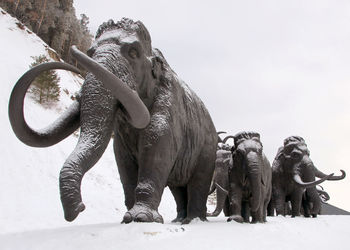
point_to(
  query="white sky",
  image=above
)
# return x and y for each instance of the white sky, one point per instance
(280, 68)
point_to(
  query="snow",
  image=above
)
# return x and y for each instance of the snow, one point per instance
(31, 215)
(278, 233)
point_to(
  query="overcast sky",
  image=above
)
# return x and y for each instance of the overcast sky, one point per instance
(279, 68)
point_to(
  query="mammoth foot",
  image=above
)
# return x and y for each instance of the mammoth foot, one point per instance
(254, 221)
(236, 218)
(142, 213)
(180, 216)
(188, 220)
(177, 219)
(71, 212)
(213, 214)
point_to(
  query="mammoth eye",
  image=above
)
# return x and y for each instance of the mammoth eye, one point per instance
(259, 150)
(296, 155)
(133, 53)
(90, 51)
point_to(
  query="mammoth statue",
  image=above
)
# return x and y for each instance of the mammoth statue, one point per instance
(306, 204)
(164, 135)
(220, 178)
(249, 179)
(293, 173)
(308, 201)
(324, 196)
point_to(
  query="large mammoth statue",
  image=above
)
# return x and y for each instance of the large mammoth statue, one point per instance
(164, 135)
(220, 178)
(249, 179)
(293, 173)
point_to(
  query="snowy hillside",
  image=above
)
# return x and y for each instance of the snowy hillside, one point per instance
(31, 216)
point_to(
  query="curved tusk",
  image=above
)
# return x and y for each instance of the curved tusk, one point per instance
(338, 177)
(320, 174)
(297, 179)
(138, 112)
(212, 189)
(218, 133)
(228, 137)
(221, 188)
(324, 195)
(221, 132)
(59, 129)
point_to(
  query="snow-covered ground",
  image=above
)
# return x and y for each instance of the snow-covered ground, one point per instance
(325, 232)
(31, 216)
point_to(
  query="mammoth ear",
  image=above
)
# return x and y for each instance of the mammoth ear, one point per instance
(157, 67)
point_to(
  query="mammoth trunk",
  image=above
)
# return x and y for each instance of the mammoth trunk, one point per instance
(221, 196)
(254, 176)
(96, 120)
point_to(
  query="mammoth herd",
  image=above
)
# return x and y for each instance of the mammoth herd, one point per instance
(163, 137)
(247, 186)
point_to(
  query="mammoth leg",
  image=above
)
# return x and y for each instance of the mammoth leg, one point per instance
(258, 215)
(97, 115)
(313, 197)
(127, 168)
(154, 166)
(295, 200)
(266, 205)
(227, 211)
(305, 206)
(235, 196)
(198, 186)
(245, 211)
(278, 201)
(270, 209)
(180, 196)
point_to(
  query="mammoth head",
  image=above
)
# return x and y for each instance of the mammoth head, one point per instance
(125, 29)
(294, 148)
(122, 58)
(245, 142)
(125, 49)
(294, 158)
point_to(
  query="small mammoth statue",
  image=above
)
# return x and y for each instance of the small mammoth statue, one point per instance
(164, 135)
(293, 177)
(308, 200)
(306, 204)
(249, 179)
(220, 178)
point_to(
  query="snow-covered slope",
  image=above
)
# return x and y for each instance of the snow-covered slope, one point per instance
(31, 216)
